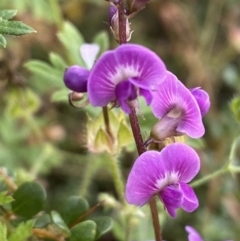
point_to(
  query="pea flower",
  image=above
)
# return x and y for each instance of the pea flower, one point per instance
(165, 174)
(193, 235)
(120, 75)
(179, 109)
(76, 77)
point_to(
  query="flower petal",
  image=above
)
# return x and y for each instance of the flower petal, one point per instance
(172, 199)
(127, 61)
(145, 173)
(150, 69)
(202, 99)
(182, 160)
(76, 77)
(193, 235)
(101, 89)
(190, 200)
(89, 53)
(173, 94)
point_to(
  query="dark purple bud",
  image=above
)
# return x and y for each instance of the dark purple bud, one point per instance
(202, 99)
(111, 12)
(76, 77)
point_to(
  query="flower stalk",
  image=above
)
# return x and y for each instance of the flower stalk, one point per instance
(134, 122)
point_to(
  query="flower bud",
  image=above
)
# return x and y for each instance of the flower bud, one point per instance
(114, 23)
(76, 77)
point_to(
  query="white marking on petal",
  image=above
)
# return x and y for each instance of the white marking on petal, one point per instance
(89, 53)
(175, 113)
(168, 179)
(123, 73)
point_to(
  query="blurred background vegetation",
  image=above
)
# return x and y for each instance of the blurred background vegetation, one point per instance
(44, 138)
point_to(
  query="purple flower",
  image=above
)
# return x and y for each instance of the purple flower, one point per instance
(165, 174)
(179, 110)
(193, 235)
(120, 75)
(76, 77)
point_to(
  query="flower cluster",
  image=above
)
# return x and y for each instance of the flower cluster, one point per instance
(119, 76)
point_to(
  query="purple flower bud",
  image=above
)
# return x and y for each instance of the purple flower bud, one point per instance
(76, 78)
(114, 23)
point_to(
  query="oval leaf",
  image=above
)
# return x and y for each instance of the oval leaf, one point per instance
(84, 231)
(29, 199)
(73, 208)
(104, 224)
(58, 221)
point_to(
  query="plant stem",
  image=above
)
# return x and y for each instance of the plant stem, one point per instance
(122, 22)
(141, 149)
(107, 123)
(117, 178)
(9, 182)
(134, 120)
(205, 179)
(90, 169)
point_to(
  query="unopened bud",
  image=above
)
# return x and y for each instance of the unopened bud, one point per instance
(76, 77)
(114, 23)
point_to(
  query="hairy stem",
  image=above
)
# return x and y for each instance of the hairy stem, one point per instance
(207, 178)
(134, 120)
(141, 149)
(107, 122)
(9, 182)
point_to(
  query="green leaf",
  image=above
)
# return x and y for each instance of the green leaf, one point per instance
(57, 61)
(60, 96)
(7, 14)
(102, 39)
(4, 198)
(73, 208)
(3, 41)
(46, 72)
(124, 135)
(104, 224)
(84, 231)
(3, 232)
(22, 102)
(42, 221)
(16, 28)
(22, 232)
(29, 199)
(235, 107)
(102, 141)
(72, 39)
(59, 222)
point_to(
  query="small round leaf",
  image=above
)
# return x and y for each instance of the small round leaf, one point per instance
(73, 208)
(58, 221)
(84, 231)
(29, 199)
(104, 224)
